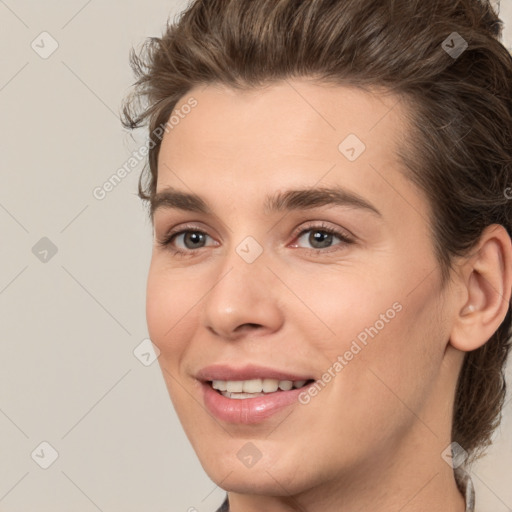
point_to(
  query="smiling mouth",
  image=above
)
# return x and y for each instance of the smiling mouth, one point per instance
(241, 389)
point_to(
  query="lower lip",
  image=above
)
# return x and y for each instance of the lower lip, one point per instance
(248, 410)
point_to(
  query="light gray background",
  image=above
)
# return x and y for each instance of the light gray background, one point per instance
(69, 326)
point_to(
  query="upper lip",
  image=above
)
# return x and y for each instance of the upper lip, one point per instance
(247, 372)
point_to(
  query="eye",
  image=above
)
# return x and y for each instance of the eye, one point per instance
(321, 237)
(191, 239)
(185, 241)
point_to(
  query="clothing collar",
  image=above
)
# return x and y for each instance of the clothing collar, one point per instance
(465, 485)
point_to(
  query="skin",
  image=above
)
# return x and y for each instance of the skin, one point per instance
(372, 439)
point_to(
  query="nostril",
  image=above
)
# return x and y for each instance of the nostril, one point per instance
(247, 326)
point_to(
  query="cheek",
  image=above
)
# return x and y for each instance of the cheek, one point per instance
(171, 320)
(169, 312)
(390, 340)
(351, 306)
(399, 363)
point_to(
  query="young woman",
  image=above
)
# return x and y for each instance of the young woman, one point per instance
(329, 185)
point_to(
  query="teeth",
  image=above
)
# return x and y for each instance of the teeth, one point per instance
(241, 395)
(286, 385)
(270, 385)
(256, 386)
(234, 386)
(252, 386)
(220, 385)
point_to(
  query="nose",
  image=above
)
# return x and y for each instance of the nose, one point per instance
(244, 300)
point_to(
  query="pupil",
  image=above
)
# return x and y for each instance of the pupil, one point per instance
(321, 237)
(194, 237)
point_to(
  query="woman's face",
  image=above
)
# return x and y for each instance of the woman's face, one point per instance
(340, 290)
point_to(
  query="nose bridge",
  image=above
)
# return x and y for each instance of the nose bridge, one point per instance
(242, 292)
(244, 263)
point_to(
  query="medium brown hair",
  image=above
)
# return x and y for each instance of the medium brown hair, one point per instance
(459, 148)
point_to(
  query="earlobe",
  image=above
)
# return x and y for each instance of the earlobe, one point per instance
(487, 278)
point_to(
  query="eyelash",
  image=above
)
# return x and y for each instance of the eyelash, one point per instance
(169, 238)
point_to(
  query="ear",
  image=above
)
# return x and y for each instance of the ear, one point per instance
(487, 282)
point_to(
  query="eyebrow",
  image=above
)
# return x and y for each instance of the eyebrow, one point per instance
(171, 198)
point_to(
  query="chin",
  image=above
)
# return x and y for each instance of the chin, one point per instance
(273, 475)
(261, 481)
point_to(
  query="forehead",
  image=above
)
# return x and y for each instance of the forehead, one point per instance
(292, 133)
(299, 110)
